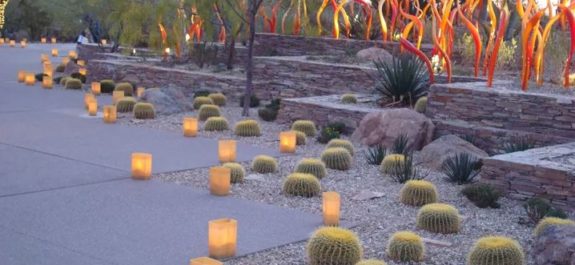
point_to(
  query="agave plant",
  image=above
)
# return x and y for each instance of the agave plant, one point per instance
(376, 154)
(400, 144)
(518, 145)
(408, 170)
(461, 168)
(404, 79)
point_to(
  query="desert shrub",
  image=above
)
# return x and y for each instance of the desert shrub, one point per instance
(327, 134)
(537, 208)
(300, 184)
(143, 110)
(126, 87)
(254, 101)
(334, 246)
(551, 221)
(418, 193)
(337, 158)
(405, 246)
(405, 79)
(519, 144)
(461, 168)
(482, 195)
(406, 170)
(107, 86)
(267, 114)
(496, 250)
(204, 54)
(438, 218)
(306, 126)
(375, 155)
(73, 83)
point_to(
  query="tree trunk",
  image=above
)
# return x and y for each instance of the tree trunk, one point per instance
(253, 6)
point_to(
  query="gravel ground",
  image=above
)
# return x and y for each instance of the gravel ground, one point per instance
(374, 220)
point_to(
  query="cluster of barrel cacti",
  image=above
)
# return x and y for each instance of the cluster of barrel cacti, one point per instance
(208, 110)
(301, 184)
(334, 246)
(247, 128)
(143, 110)
(216, 124)
(264, 164)
(341, 143)
(126, 104)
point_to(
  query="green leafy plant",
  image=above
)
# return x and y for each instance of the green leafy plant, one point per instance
(218, 99)
(519, 144)
(461, 168)
(482, 195)
(327, 134)
(537, 208)
(375, 155)
(334, 246)
(403, 80)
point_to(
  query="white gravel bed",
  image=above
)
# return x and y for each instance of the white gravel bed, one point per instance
(373, 220)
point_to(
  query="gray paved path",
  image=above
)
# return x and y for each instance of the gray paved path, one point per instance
(66, 196)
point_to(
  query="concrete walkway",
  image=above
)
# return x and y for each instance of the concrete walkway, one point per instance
(66, 196)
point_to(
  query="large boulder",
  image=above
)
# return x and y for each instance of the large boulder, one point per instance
(169, 100)
(555, 245)
(374, 54)
(383, 127)
(433, 154)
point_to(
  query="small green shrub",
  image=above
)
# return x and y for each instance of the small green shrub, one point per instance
(406, 246)
(337, 158)
(300, 184)
(216, 124)
(107, 86)
(268, 114)
(496, 250)
(144, 111)
(460, 169)
(334, 246)
(338, 127)
(200, 101)
(311, 166)
(73, 83)
(421, 105)
(254, 101)
(247, 128)
(482, 195)
(79, 76)
(551, 221)
(208, 111)
(327, 134)
(264, 164)
(341, 143)
(348, 99)
(126, 87)
(237, 172)
(375, 155)
(306, 126)
(438, 218)
(519, 144)
(537, 209)
(219, 99)
(126, 104)
(418, 193)
(405, 79)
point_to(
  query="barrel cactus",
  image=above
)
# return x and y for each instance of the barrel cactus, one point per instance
(337, 158)
(341, 143)
(216, 124)
(144, 111)
(264, 164)
(438, 218)
(218, 99)
(73, 83)
(390, 162)
(107, 86)
(348, 99)
(418, 193)
(311, 166)
(126, 104)
(549, 221)
(207, 111)
(299, 184)
(421, 105)
(334, 246)
(371, 262)
(405, 246)
(200, 101)
(496, 250)
(237, 172)
(247, 128)
(305, 126)
(300, 137)
(63, 80)
(126, 87)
